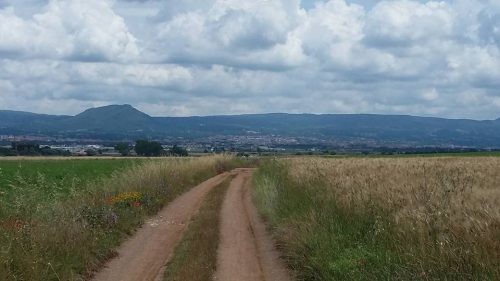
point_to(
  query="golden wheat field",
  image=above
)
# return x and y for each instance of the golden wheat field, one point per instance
(445, 208)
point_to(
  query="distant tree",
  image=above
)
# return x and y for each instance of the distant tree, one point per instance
(123, 148)
(242, 154)
(259, 150)
(47, 151)
(26, 148)
(7, 152)
(148, 148)
(141, 147)
(178, 151)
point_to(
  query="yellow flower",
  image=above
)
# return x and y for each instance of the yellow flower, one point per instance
(125, 197)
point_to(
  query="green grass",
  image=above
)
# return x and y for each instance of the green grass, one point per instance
(319, 241)
(61, 172)
(195, 257)
(58, 220)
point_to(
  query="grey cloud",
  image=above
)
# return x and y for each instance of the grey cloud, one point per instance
(62, 31)
(489, 29)
(236, 56)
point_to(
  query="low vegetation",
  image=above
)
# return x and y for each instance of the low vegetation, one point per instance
(385, 218)
(64, 225)
(65, 174)
(196, 256)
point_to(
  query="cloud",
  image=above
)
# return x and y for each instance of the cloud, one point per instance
(68, 30)
(402, 24)
(231, 32)
(437, 58)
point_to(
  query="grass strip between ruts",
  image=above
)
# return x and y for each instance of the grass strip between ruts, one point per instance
(195, 258)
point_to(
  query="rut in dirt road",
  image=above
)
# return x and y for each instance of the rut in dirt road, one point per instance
(246, 252)
(143, 256)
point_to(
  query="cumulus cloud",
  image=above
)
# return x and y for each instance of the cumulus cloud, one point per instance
(404, 24)
(232, 32)
(438, 58)
(71, 30)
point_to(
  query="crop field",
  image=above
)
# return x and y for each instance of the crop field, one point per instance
(384, 218)
(64, 173)
(371, 218)
(62, 219)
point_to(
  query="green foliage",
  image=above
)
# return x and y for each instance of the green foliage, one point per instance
(7, 152)
(178, 151)
(123, 148)
(31, 149)
(148, 148)
(65, 173)
(26, 148)
(47, 151)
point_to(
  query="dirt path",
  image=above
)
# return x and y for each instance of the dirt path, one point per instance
(143, 256)
(245, 252)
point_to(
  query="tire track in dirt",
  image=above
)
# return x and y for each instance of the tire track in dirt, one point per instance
(144, 255)
(246, 252)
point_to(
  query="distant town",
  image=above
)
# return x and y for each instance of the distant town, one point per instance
(11, 145)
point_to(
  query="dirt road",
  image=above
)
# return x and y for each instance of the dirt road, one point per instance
(143, 256)
(245, 252)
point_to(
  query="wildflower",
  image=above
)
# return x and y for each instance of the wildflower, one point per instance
(14, 224)
(126, 198)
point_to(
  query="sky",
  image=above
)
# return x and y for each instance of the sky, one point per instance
(212, 57)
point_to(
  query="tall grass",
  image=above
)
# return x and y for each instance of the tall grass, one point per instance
(390, 219)
(52, 234)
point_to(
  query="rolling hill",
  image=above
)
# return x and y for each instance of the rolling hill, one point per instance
(126, 122)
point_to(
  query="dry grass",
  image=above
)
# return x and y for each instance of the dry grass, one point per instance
(429, 218)
(67, 237)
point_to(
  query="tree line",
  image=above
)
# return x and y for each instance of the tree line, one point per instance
(149, 149)
(31, 149)
(141, 147)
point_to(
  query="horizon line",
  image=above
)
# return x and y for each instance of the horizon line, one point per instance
(265, 113)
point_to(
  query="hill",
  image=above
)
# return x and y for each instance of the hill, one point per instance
(126, 122)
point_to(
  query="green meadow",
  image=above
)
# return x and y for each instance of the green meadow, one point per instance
(62, 173)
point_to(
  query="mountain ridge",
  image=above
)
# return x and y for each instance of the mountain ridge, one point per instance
(128, 106)
(126, 122)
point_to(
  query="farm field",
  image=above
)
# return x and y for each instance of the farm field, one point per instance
(61, 172)
(62, 219)
(448, 154)
(358, 218)
(384, 218)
